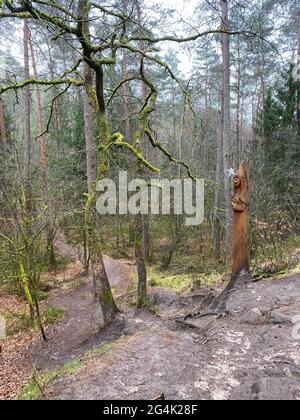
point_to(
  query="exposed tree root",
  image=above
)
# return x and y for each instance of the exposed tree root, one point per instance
(217, 307)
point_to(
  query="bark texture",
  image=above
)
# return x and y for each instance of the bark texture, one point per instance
(102, 288)
(89, 128)
(226, 129)
(298, 83)
(219, 183)
(146, 221)
(27, 113)
(3, 133)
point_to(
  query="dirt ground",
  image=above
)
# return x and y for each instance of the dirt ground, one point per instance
(79, 331)
(252, 353)
(14, 373)
(237, 357)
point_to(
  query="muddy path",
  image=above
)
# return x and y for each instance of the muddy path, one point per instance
(252, 353)
(119, 273)
(79, 330)
(77, 333)
(238, 357)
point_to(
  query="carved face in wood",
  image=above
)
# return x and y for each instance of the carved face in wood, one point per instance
(240, 198)
(237, 181)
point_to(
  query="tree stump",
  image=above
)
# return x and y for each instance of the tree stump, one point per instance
(240, 204)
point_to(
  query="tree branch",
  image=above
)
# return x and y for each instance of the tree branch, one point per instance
(159, 146)
(195, 36)
(118, 140)
(25, 83)
(57, 6)
(127, 80)
(52, 110)
(40, 15)
(19, 15)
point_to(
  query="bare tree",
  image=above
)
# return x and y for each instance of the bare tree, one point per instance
(226, 128)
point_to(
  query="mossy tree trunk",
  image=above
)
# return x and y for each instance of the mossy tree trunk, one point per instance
(29, 270)
(89, 128)
(102, 287)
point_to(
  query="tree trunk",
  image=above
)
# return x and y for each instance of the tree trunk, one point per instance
(27, 117)
(44, 163)
(298, 81)
(218, 188)
(89, 128)
(262, 94)
(126, 86)
(146, 238)
(128, 134)
(254, 120)
(146, 223)
(101, 283)
(140, 263)
(238, 105)
(57, 115)
(142, 238)
(244, 143)
(39, 319)
(126, 99)
(103, 291)
(226, 129)
(42, 135)
(3, 134)
(27, 203)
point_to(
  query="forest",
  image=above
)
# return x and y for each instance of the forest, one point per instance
(149, 200)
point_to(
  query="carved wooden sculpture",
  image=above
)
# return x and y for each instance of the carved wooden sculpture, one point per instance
(240, 263)
(240, 204)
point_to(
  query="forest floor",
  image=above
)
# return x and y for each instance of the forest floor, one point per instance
(251, 353)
